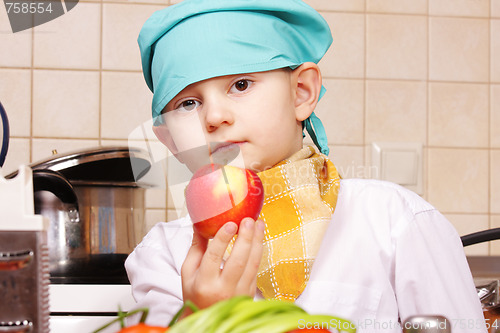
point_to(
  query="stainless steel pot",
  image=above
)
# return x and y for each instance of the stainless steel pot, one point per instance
(427, 324)
(92, 247)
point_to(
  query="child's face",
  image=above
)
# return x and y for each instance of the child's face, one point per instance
(254, 114)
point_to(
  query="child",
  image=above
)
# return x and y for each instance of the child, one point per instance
(240, 78)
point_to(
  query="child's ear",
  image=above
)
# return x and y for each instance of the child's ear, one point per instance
(163, 134)
(307, 81)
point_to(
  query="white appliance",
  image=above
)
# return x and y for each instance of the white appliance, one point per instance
(82, 308)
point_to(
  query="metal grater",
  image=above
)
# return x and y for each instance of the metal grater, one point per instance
(24, 259)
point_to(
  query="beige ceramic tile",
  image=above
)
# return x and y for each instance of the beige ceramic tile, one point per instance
(165, 3)
(341, 111)
(467, 224)
(45, 148)
(156, 198)
(465, 8)
(126, 104)
(172, 215)
(495, 181)
(15, 96)
(15, 47)
(495, 245)
(65, 104)
(176, 199)
(396, 47)
(458, 180)
(495, 51)
(147, 145)
(115, 142)
(141, 144)
(373, 172)
(495, 8)
(397, 6)
(158, 174)
(349, 161)
(395, 111)
(339, 5)
(495, 116)
(121, 26)
(345, 58)
(171, 202)
(17, 155)
(425, 171)
(70, 41)
(459, 49)
(458, 115)
(477, 250)
(153, 216)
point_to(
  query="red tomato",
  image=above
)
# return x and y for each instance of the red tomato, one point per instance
(143, 328)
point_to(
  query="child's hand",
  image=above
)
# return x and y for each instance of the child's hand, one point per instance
(205, 283)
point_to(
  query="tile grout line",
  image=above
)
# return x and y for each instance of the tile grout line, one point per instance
(426, 154)
(32, 97)
(73, 69)
(366, 148)
(99, 130)
(324, 77)
(490, 221)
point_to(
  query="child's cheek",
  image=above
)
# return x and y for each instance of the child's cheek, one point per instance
(187, 131)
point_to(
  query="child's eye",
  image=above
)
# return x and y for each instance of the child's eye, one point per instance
(188, 105)
(241, 85)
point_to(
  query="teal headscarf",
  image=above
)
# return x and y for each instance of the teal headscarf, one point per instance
(200, 39)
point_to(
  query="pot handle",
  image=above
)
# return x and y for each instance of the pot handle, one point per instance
(481, 236)
(6, 135)
(55, 182)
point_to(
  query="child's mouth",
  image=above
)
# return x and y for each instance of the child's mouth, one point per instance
(224, 152)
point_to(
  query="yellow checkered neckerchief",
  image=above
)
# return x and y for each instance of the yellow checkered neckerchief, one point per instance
(300, 197)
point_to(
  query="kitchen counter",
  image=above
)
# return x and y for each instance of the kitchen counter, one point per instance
(484, 266)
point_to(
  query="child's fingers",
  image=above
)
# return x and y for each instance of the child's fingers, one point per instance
(202, 279)
(212, 259)
(248, 280)
(236, 264)
(194, 255)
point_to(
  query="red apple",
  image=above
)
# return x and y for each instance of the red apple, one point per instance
(218, 194)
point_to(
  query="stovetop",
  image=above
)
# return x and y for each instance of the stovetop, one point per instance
(92, 269)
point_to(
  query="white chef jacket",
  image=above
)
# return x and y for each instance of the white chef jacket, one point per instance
(387, 255)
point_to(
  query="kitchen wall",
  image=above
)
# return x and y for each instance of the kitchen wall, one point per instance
(423, 71)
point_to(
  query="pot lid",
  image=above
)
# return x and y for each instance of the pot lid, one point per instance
(101, 165)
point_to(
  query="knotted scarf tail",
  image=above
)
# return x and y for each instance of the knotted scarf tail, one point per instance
(300, 197)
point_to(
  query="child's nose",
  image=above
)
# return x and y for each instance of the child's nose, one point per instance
(216, 115)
